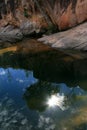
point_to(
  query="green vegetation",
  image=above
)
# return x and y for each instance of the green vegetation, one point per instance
(26, 13)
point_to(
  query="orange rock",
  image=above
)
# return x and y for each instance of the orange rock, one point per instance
(73, 16)
(63, 13)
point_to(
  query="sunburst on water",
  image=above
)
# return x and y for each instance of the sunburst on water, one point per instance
(56, 100)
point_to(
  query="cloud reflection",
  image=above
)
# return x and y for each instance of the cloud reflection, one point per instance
(2, 72)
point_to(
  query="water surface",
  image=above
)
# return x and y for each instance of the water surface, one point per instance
(43, 91)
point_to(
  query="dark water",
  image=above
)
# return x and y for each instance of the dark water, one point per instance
(43, 92)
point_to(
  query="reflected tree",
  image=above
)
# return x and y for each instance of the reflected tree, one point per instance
(36, 95)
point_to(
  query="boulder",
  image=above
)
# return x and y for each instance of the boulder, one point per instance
(75, 38)
(28, 28)
(10, 34)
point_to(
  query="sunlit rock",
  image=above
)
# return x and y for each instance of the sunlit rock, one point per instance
(10, 34)
(72, 39)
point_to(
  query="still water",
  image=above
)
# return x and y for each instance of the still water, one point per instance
(46, 91)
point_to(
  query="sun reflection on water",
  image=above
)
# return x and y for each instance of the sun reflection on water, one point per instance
(56, 100)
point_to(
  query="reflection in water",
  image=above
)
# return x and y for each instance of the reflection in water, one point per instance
(12, 86)
(55, 100)
(37, 95)
(43, 94)
(9, 49)
(60, 101)
(51, 66)
(11, 117)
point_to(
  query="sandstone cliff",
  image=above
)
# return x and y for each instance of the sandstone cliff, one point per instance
(33, 16)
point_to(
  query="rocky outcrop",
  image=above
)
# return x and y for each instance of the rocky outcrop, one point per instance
(32, 16)
(62, 13)
(66, 13)
(17, 20)
(75, 38)
(70, 13)
(28, 28)
(10, 34)
(13, 34)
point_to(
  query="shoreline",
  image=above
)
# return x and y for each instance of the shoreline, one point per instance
(68, 41)
(73, 39)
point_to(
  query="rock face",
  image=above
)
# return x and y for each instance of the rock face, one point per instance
(16, 21)
(70, 13)
(10, 34)
(75, 38)
(32, 16)
(62, 13)
(28, 28)
(66, 13)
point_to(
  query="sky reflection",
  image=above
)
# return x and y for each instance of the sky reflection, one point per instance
(39, 104)
(14, 81)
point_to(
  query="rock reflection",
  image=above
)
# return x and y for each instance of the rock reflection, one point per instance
(52, 66)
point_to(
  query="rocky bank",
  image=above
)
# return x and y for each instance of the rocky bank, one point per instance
(75, 38)
(20, 18)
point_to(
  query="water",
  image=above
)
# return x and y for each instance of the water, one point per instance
(45, 91)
